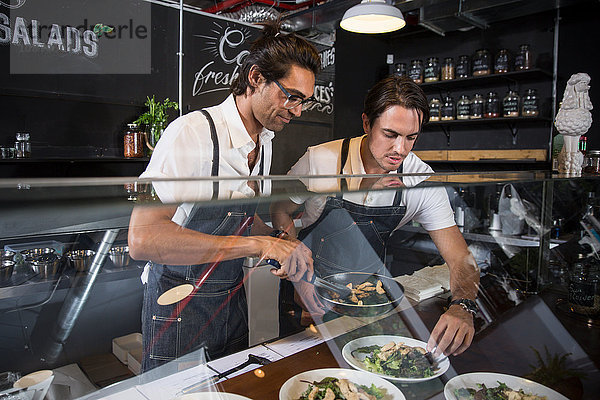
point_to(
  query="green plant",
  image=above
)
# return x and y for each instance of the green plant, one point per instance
(156, 116)
(553, 370)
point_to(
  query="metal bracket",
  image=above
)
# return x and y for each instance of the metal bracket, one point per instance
(470, 18)
(513, 131)
(446, 130)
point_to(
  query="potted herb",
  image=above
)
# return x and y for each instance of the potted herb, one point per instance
(553, 372)
(155, 119)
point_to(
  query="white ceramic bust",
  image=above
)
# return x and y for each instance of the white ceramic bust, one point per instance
(573, 120)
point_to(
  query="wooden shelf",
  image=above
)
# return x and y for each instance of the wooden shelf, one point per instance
(484, 155)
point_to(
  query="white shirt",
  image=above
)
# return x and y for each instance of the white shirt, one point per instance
(428, 206)
(185, 150)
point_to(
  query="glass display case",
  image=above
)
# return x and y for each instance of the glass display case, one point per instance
(82, 308)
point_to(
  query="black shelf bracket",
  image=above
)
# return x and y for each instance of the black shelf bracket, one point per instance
(446, 130)
(514, 130)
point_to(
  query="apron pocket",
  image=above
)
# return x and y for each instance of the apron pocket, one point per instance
(230, 223)
(165, 338)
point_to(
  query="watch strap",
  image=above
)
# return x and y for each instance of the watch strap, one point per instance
(467, 304)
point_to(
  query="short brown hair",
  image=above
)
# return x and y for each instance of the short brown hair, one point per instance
(274, 53)
(396, 91)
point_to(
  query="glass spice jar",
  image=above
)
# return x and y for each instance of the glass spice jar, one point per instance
(481, 63)
(133, 144)
(491, 106)
(463, 67)
(523, 60)
(477, 106)
(530, 106)
(510, 104)
(22, 145)
(416, 71)
(463, 107)
(591, 162)
(400, 69)
(432, 70)
(502, 63)
(448, 110)
(435, 106)
(448, 69)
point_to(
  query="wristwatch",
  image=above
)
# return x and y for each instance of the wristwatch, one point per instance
(278, 233)
(466, 304)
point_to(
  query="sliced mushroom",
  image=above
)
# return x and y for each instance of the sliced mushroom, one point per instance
(329, 395)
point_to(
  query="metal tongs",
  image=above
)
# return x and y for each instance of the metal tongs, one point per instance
(252, 359)
(341, 290)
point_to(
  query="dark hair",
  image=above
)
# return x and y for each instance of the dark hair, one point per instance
(274, 53)
(396, 91)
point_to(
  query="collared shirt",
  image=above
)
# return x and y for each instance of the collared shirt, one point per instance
(428, 206)
(185, 150)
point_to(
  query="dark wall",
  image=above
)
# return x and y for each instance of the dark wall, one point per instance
(577, 54)
(360, 64)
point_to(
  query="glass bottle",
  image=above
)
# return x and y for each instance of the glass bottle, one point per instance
(502, 64)
(400, 69)
(435, 107)
(416, 71)
(510, 104)
(523, 60)
(492, 106)
(448, 111)
(463, 67)
(481, 63)
(22, 145)
(477, 106)
(463, 107)
(448, 69)
(583, 287)
(133, 144)
(432, 70)
(530, 105)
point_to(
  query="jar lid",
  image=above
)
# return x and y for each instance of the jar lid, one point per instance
(22, 136)
(432, 59)
(132, 126)
(595, 153)
(464, 96)
(448, 59)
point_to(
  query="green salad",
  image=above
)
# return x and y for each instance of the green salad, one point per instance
(340, 389)
(500, 392)
(397, 360)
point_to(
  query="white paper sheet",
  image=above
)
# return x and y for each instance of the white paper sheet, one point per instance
(170, 386)
(295, 343)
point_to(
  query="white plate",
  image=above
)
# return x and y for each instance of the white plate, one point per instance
(212, 396)
(381, 340)
(293, 388)
(491, 380)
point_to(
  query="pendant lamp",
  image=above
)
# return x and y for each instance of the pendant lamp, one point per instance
(372, 16)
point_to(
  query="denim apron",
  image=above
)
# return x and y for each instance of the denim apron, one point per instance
(347, 237)
(216, 316)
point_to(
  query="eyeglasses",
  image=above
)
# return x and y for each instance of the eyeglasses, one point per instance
(294, 101)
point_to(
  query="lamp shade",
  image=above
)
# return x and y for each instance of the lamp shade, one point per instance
(372, 16)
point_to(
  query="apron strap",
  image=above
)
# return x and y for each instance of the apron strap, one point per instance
(215, 160)
(398, 195)
(344, 154)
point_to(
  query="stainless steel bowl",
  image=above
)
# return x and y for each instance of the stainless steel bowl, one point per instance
(81, 260)
(120, 256)
(7, 255)
(6, 270)
(32, 254)
(46, 267)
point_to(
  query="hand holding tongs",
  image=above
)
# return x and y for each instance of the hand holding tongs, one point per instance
(343, 291)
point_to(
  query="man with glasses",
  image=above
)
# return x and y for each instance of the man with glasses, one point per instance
(203, 247)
